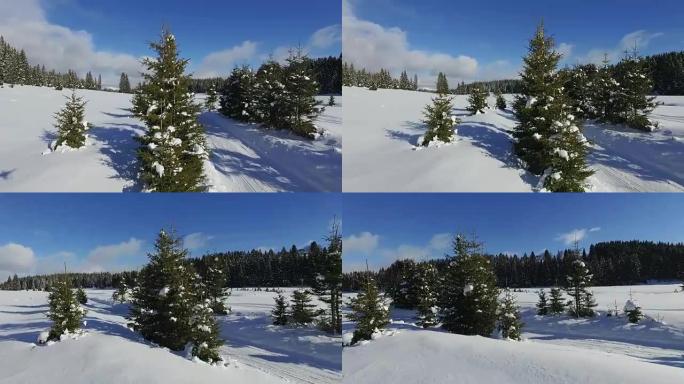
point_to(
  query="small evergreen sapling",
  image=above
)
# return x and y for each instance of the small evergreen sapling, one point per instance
(65, 312)
(370, 311)
(301, 310)
(500, 101)
(542, 304)
(204, 335)
(71, 125)
(426, 294)
(509, 323)
(557, 303)
(279, 312)
(577, 286)
(331, 101)
(212, 99)
(477, 100)
(81, 296)
(441, 124)
(633, 311)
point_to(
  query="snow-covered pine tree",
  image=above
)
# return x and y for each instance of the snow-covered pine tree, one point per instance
(204, 334)
(163, 302)
(602, 92)
(477, 100)
(71, 125)
(557, 303)
(65, 312)
(426, 295)
(442, 84)
(215, 279)
(633, 311)
(633, 103)
(301, 310)
(440, 122)
(540, 104)
(238, 94)
(280, 310)
(579, 84)
(469, 298)
(404, 293)
(212, 99)
(500, 101)
(122, 293)
(328, 283)
(269, 96)
(577, 285)
(81, 296)
(509, 323)
(124, 84)
(370, 311)
(299, 95)
(173, 149)
(139, 101)
(331, 101)
(404, 82)
(542, 304)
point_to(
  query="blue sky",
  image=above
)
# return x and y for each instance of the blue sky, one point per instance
(486, 39)
(385, 227)
(114, 231)
(111, 36)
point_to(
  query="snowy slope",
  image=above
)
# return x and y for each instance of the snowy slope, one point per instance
(244, 159)
(556, 349)
(111, 353)
(383, 126)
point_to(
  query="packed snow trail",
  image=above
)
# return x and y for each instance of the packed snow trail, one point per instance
(244, 158)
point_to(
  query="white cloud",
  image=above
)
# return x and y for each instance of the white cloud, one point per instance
(372, 46)
(326, 37)
(104, 257)
(364, 242)
(436, 247)
(196, 240)
(15, 258)
(570, 237)
(24, 24)
(565, 49)
(441, 241)
(640, 38)
(222, 62)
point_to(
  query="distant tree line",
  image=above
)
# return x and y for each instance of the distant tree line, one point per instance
(611, 263)
(327, 71)
(509, 86)
(352, 77)
(292, 267)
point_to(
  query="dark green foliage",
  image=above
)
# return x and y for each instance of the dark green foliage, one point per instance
(331, 101)
(328, 283)
(500, 101)
(173, 149)
(301, 310)
(279, 313)
(237, 94)
(577, 284)
(301, 106)
(71, 125)
(509, 323)
(503, 86)
(369, 311)
(403, 295)
(632, 104)
(469, 297)
(404, 82)
(426, 295)
(204, 334)
(542, 304)
(439, 120)
(635, 315)
(139, 101)
(124, 84)
(65, 312)
(81, 296)
(557, 304)
(442, 84)
(215, 278)
(383, 79)
(580, 84)
(211, 100)
(477, 101)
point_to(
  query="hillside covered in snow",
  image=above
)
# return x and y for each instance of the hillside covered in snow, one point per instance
(383, 128)
(243, 157)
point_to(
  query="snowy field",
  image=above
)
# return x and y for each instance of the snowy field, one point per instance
(382, 128)
(555, 349)
(244, 158)
(111, 353)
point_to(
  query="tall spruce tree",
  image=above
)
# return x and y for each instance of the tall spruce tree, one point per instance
(270, 105)
(404, 82)
(469, 297)
(124, 84)
(426, 295)
(215, 278)
(557, 303)
(299, 94)
(301, 310)
(577, 285)
(602, 92)
(542, 304)
(238, 94)
(633, 103)
(509, 323)
(65, 312)
(204, 331)
(280, 310)
(71, 125)
(442, 84)
(328, 283)
(440, 122)
(173, 148)
(370, 311)
(212, 99)
(404, 293)
(477, 100)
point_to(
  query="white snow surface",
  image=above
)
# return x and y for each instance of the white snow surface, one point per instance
(556, 349)
(109, 352)
(244, 158)
(383, 126)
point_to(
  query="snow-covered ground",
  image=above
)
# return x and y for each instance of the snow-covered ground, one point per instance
(382, 128)
(111, 353)
(555, 349)
(244, 158)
